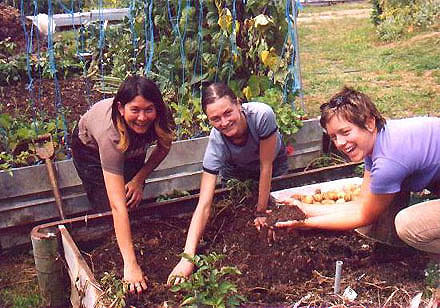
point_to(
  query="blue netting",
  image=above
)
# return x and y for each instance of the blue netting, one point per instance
(175, 14)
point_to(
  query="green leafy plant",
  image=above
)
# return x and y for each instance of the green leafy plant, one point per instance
(240, 191)
(359, 170)
(114, 291)
(172, 195)
(209, 286)
(395, 19)
(12, 65)
(288, 119)
(16, 135)
(325, 160)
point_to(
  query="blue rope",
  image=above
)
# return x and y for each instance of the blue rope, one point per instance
(293, 69)
(181, 37)
(53, 70)
(101, 42)
(218, 57)
(65, 9)
(198, 58)
(40, 73)
(233, 39)
(233, 36)
(298, 84)
(149, 59)
(28, 41)
(133, 31)
(80, 43)
(177, 33)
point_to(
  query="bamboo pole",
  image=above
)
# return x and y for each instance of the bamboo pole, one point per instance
(49, 266)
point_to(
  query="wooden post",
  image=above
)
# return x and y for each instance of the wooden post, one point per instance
(49, 266)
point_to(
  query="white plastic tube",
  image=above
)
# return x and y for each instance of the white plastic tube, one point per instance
(337, 286)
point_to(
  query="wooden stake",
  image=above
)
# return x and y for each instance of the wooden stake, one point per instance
(49, 266)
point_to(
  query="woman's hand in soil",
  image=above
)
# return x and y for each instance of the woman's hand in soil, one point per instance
(135, 278)
(260, 219)
(434, 302)
(182, 270)
(133, 193)
(290, 224)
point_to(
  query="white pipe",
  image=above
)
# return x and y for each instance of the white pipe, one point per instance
(337, 286)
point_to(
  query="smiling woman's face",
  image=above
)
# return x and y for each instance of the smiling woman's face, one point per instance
(352, 140)
(226, 116)
(139, 114)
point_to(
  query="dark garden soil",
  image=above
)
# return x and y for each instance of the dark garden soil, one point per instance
(77, 95)
(12, 26)
(299, 265)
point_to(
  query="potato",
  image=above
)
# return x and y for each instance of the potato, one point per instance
(307, 199)
(332, 195)
(341, 194)
(327, 201)
(317, 197)
(348, 197)
(296, 196)
(356, 193)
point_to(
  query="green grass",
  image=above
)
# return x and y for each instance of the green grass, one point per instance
(18, 281)
(401, 77)
(28, 298)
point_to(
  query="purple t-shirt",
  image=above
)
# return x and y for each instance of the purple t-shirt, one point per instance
(406, 156)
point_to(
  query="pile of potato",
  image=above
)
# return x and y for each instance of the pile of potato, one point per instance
(348, 193)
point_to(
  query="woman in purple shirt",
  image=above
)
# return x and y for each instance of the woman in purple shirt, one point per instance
(401, 156)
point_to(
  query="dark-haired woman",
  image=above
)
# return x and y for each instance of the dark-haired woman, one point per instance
(401, 156)
(244, 144)
(109, 149)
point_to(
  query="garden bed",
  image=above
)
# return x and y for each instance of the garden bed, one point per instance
(298, 268)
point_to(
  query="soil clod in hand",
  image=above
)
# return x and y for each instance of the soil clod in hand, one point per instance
(285, 213)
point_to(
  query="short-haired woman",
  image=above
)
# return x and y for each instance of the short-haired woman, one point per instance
(109, 148)
(400, 156)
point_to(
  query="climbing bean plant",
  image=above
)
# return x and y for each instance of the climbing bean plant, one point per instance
(243, 45)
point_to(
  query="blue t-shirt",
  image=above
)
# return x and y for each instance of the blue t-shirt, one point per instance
(221, 153)
(406, 156)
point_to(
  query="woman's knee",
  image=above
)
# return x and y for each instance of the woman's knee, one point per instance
(402, 223)
(419, 226)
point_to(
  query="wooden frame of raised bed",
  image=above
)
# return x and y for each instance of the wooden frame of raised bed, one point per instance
(54, 246)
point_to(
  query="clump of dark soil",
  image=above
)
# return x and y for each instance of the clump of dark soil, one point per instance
(299, 266)
(285, 213)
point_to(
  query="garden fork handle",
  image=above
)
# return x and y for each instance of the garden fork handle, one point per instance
(55, 189)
